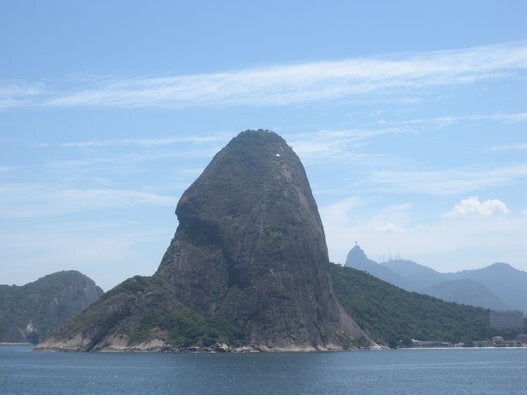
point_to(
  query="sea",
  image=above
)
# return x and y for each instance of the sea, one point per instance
(410, 371)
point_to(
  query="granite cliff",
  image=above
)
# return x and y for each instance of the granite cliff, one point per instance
(247, 269)
(29, 313)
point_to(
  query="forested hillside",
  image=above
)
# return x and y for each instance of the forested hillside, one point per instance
(28, 313)
(393, 316)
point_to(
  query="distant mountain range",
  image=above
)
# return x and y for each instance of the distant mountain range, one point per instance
(498, 286)
(29, 313)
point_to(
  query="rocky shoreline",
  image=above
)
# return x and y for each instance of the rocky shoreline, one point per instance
(215, 348)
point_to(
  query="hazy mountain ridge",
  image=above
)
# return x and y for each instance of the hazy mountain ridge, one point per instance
(416, 276)
(28, 313)
(498, 286)
(505, 281)
(468, 291)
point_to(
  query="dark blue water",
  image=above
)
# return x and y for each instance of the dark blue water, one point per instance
(457, 371)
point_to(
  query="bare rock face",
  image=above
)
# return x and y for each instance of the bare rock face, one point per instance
(248, 267)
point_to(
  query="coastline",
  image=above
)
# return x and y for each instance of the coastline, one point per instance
(243, 350)
(461, 348)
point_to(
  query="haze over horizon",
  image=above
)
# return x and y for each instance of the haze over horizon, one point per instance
(409, 118)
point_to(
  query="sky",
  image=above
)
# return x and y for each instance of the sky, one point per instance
(409, 117)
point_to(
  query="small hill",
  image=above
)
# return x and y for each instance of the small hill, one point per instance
(393, 316)
(29, 313)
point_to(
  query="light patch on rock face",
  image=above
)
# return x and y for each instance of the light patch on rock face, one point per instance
(121, 343)
(302, 348)
(244, 349)
(377, 347)
(115, 342)
(29, 327)
(75, 343)
(149, 345)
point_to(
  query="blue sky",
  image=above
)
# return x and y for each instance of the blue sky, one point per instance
(410, 118)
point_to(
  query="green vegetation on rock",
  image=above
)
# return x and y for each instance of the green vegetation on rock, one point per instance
(28, 313)
(187, 328)
(393, 316)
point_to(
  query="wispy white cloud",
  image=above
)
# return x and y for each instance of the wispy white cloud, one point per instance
(293, 83)
(509, 147)
(18, 89)
(17, 93)
(34, 200)
(449, 120)
(504, 117)
(148, 142)
(339, 212)
(472, 206)
(391, 219)
(88, 165)
(338, 145)
(448, 181)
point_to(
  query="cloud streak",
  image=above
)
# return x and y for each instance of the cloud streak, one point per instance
(148, 142)
(33, 200)
(447, 182)
(510, 147)
(336, 144)
(450, 120)
(287, 84)
(18, 93)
